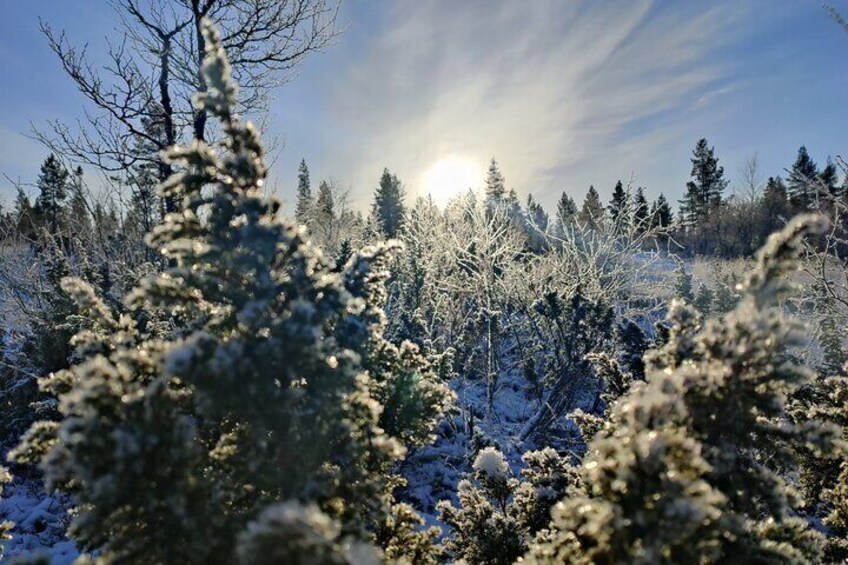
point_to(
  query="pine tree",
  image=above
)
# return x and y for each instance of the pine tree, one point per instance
(233, 410)
(591, 215)
(147, 209)
(823, 477)
(703, 300)
(498, 513)
(22, 216)
(495, 185)
(388, 208)
(641, 212)
(683, 283)
(704, 192)
(774, 206)
(325, 205)
(344, 255)
(79, 220)
(827, 183)
(775, 190)
(661, 216)
(566, 211)
(511, 207)
(833, 351)
(53, 190)
(304, 193)
(619, 204)
(536, 214)
(801, 182)
(688, 470)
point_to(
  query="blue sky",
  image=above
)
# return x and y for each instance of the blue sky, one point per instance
(564, 93)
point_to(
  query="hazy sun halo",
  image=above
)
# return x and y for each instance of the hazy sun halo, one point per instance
(450, 176)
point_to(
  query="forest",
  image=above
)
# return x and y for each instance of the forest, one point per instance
(194, 371)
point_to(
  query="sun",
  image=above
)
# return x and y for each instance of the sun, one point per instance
(451, 176)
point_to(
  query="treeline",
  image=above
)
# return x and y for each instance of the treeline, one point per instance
(711, 223)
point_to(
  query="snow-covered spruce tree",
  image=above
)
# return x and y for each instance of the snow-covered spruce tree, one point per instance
(498, 514)
(235, 410)
(836, 521)
(824, 480)
(614, 382)
(688, 469)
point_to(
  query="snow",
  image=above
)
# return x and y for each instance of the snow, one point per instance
(40, 521)
(434, 472)
(491, 463)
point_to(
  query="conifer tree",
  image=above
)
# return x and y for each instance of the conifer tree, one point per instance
(619, 203)
(512, 206)
(833, 351)
(22, 215)
(536, 214)
(495, 185)
(149, 169)
(641, 212)
(683, 283)
(325, 205)
(79, 220)
(801, 182)
(775, 192)
(592, 213)
(304, 193)
(566, 211)
(344, 255)
(498, 514)
(233, 409)
(688, 470)
(704, 192)
(703, 300)
(824, 479)
(388, 208)
(828, 182)
(661, 216)
(774, 206)
(53, 191)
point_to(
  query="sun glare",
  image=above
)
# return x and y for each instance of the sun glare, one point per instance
(451, 176)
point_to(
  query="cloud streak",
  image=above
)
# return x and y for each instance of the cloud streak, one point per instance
(547, 87)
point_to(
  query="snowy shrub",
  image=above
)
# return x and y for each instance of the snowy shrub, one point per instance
(246, 376)
(566, 330)
(689, 467)
(404, 541)
(498, 514)
(824, 476)
(615, 383)
(634, 344)
(491, 466)
(289, 532)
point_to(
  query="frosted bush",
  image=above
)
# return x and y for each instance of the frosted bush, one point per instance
(491, 464)
(234, 407)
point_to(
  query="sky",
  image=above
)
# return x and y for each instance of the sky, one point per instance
(563, 93)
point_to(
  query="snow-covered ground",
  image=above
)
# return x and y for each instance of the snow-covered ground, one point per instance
(40, 521)
(433, 471)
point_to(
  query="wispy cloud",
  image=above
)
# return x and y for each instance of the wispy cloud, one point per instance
(549, 87)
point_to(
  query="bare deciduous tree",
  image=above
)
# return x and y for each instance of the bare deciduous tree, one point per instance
(139, 95)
